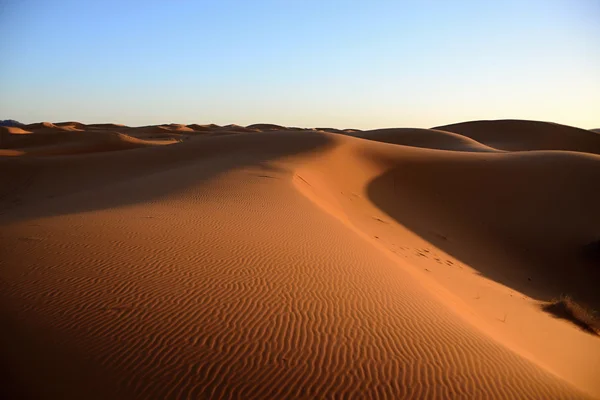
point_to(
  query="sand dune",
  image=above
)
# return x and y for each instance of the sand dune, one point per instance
(330, 130)
(426, 138)
(459, 214)
(282, 263)
(105, 126)
(178, 128)
(71, 126)
(517, 135)
(237, 129)
(201, 128)
(13, 130)
(267, 127)
(51, 144)
(155, 129)
(60, 126)
(37, 137)
(42, 125)
(198, 127)
(74, 124)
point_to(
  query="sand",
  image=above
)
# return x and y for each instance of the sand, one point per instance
(202, 261)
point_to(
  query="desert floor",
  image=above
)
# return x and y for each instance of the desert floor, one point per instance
(203, 261)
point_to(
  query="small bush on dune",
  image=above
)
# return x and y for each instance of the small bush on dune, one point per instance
(566, 308)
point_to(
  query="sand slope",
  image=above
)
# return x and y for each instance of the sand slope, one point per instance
(293, 264)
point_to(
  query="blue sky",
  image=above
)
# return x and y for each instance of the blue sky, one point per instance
(362, 64)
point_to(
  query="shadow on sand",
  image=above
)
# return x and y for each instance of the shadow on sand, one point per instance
(519, 221)
(33, 187)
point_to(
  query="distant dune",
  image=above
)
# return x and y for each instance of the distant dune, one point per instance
(42, 125)
(46, 139)
(237, 128)
(517, 135)
(267, 127)
(426, 138)
(106, 126)
(206, 261)
(330, 130)
(72, 125)
(13, 130)
(179, 128)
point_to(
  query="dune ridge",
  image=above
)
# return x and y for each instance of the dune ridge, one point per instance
(290, 263)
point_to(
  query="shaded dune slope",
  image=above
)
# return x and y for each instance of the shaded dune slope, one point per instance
(538, 208)
(36, 179)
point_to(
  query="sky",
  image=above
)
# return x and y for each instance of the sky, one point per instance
(310, 63)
